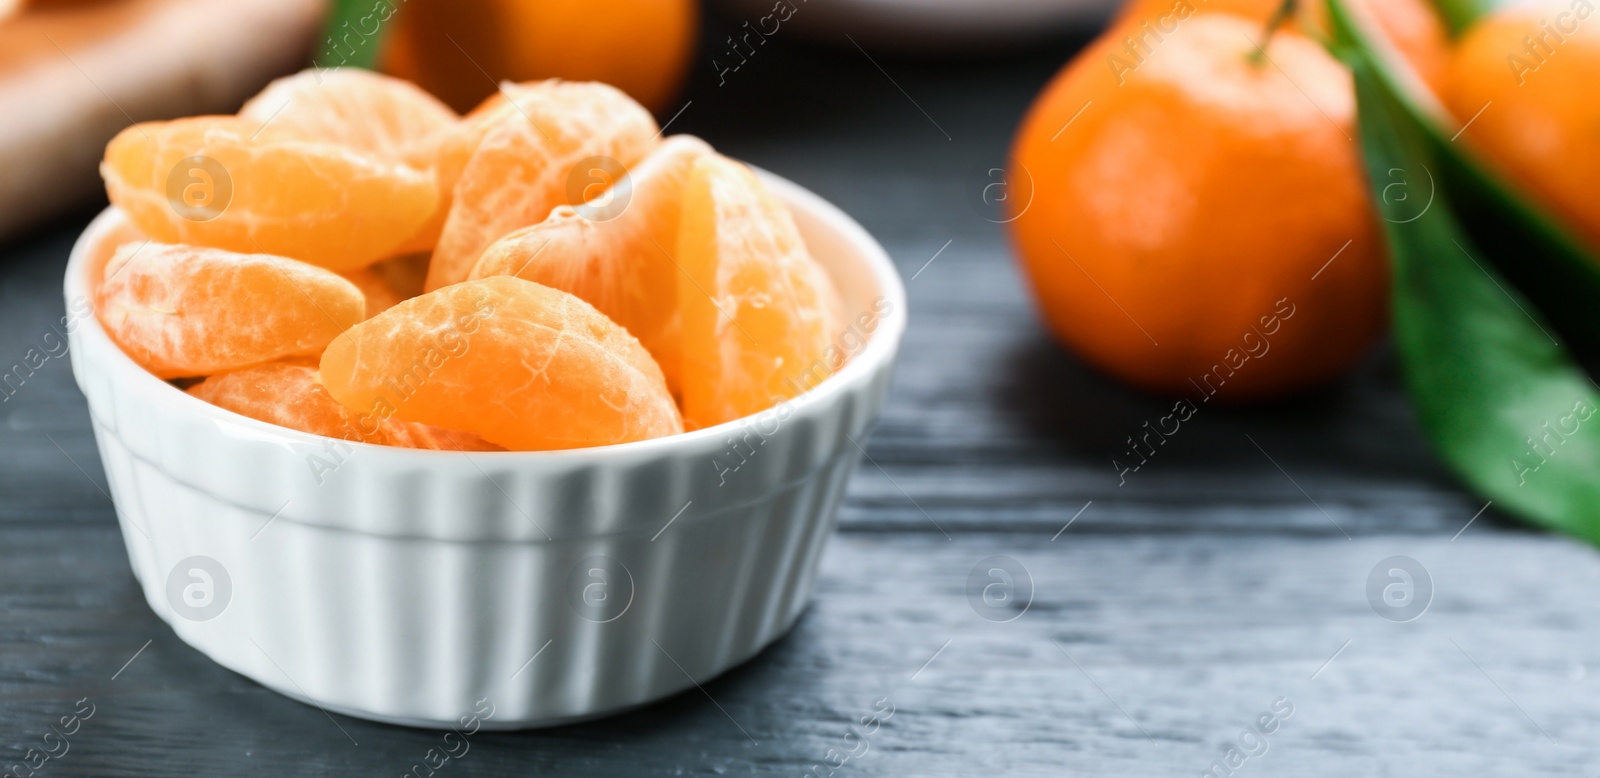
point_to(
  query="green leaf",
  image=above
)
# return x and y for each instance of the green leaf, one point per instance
(354, 32)
(1563, 278)
(1458, 15)
(1497, 392)
(1537, 254)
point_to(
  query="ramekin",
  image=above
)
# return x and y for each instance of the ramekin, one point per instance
(431, 588)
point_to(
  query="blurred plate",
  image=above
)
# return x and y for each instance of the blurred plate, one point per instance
(920, 25)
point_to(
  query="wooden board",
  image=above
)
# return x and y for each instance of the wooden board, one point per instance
(72, 74)
(1171, 612)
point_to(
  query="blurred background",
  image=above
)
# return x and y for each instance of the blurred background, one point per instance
(76, 71)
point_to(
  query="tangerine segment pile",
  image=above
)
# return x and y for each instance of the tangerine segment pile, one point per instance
(184, 311)
(1516, 82)
(350, 107)
(758, 312)
(614, 250)
(522, 365)
(286, 257)
(287, 394)
(212, 181)
(521, 168)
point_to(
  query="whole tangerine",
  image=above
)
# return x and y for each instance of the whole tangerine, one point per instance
(1201, 213)
(460, 49)
(1412, 26)
(1517, 81)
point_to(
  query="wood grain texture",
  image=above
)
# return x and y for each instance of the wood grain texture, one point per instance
(1137, 656)
(1164, 619)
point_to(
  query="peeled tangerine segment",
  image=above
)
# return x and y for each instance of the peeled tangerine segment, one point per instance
(371, 113)
(524, 166)
(356, 108)
(524, 366)
(287, 394)
(446, 151)
(190, 311)
(229, 183)
(759, 313)
(450, 440)
(614, 250)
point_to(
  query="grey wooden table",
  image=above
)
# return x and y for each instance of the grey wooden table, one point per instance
(1229, 577)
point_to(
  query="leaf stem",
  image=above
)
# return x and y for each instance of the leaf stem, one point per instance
(1286, 11)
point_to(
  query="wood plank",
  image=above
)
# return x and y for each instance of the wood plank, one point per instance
(1139, 655)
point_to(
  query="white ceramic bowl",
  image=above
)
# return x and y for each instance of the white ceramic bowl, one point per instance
(426, 587)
